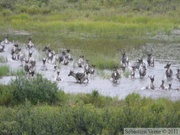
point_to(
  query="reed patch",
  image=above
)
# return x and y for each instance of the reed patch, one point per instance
(4, 71)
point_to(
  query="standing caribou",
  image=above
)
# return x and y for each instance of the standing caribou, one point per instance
(150, 60)
(178, 74)
(115, 75)
(1, 47)
(168, 71)
(151, 85)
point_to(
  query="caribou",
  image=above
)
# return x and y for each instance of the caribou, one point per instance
(80, 77)
(15, 51)
(58, 76)
(123, 67)
(150, 60)
(61, 58)
(5, 40)
(81, 61)
(30, 44)
(115, 75)
(142, 71)
(20, 57)
(2, 47)
(65, 61)
(178, 74)
(169, 87)
(168, 71)
(138, 63)
(64, 57)
(125, 59)
(44, 67)
(68, 55)
(133, 71)
(55, 67)
(86, 65)
(32, 62)
(162, 85)
(26, 66)
(29, 69)
(50, 54)
(91, 70)
(151, 85)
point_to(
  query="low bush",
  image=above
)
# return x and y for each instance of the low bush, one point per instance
(95, 99)
(132, 112)
(5, 95)
(39, 90)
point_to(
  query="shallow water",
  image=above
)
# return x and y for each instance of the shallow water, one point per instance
(104, 85)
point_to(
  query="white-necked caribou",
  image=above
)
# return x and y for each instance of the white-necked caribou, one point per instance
(151, 85)
(115, 75)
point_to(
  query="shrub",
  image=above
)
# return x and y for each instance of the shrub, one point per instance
(6, 12)
(5, 95)
(95, 99)
(134, 111)
(39, 90)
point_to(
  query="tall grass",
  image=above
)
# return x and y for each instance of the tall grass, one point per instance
(3, 59)
(104, 38)
(18, 72)
(4, 70)
(133, 27)
(103, 28)
(5, 95)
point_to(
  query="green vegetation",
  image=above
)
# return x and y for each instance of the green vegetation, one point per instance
(38, 90)
(18, 72)
(4, 71)
(2, 59)
(38, 107)
(93, 27)
(100, 30)
(81, 113)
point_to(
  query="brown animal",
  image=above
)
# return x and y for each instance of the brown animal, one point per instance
(168, 71)
(162, 85)
(80, 77)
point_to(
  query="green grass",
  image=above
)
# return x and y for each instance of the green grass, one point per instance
(100, 29)
(127, 73)
(4, 71)
(3, 59)
(100, 41)
(18, 72)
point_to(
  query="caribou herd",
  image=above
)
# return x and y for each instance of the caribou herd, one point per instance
(65, 57)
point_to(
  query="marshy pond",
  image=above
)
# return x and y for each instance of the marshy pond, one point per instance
(101, 80)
